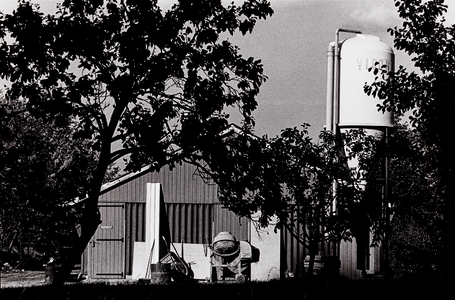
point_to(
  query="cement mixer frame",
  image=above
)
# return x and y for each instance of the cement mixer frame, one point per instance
(232, 266)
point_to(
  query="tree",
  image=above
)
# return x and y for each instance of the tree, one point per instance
(308, 172)
(429, 96)
(291, 178)
(41, 168)
(154, 82)
(414, 235)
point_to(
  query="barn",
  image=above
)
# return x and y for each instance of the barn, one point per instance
(194, 216)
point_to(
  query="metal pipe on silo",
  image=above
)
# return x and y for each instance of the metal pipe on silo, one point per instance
(336, 71)
(329, 103)
(333, 92)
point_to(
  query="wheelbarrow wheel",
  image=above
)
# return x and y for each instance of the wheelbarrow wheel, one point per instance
(240, 278)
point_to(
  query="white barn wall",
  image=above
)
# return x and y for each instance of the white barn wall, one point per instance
(268, 243)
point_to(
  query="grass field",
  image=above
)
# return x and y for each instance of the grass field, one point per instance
(279, 290)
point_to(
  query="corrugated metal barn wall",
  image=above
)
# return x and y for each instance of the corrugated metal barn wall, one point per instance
(190, 215)
(293, 252)
(180, 185)
(225, 220)
(189, 222)
(348, 256)
(134, 231)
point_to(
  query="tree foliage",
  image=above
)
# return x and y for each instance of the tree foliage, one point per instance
(156, 83)
(426, 190)
(289, 181)
(42, 168)
(155, 67)
(309, 170)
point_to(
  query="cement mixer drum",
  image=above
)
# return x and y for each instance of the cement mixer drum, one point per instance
(231, 259)
(225, 244)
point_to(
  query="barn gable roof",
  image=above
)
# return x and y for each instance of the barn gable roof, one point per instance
(232, 130)
(116, 188)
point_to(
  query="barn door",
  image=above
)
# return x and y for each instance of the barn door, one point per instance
(107, 248)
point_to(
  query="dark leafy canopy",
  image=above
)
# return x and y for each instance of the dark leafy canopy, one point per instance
(309, 170)
(289, 179)
(166, 77)
(41, 167)
(432, 48)
(429, 96)
(415, 242)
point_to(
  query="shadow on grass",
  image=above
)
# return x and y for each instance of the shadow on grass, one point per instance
(316, 288)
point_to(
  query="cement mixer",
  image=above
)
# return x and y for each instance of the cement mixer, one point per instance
(231, 259)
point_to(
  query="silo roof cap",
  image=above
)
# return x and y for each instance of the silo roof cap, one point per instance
(366, 42)
(368, 37)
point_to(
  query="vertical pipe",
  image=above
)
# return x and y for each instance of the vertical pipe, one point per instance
(336, 83)
(336, 71)
(386, 196)
(334, 105)
(329, 109)
(329, 103)
(249, 229)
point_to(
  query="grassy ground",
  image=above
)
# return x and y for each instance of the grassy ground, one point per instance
(20, 278)
(278, 290)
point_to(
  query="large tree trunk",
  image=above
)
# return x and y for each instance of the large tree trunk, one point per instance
(91, 217)
(89, 223)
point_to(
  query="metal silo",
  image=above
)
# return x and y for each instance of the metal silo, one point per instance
(349, 62)
(349, 107)
(357, 56)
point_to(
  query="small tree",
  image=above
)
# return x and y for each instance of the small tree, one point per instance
(291, 178)
(155, 83)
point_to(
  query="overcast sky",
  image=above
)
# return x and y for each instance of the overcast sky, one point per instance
(292, 45)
